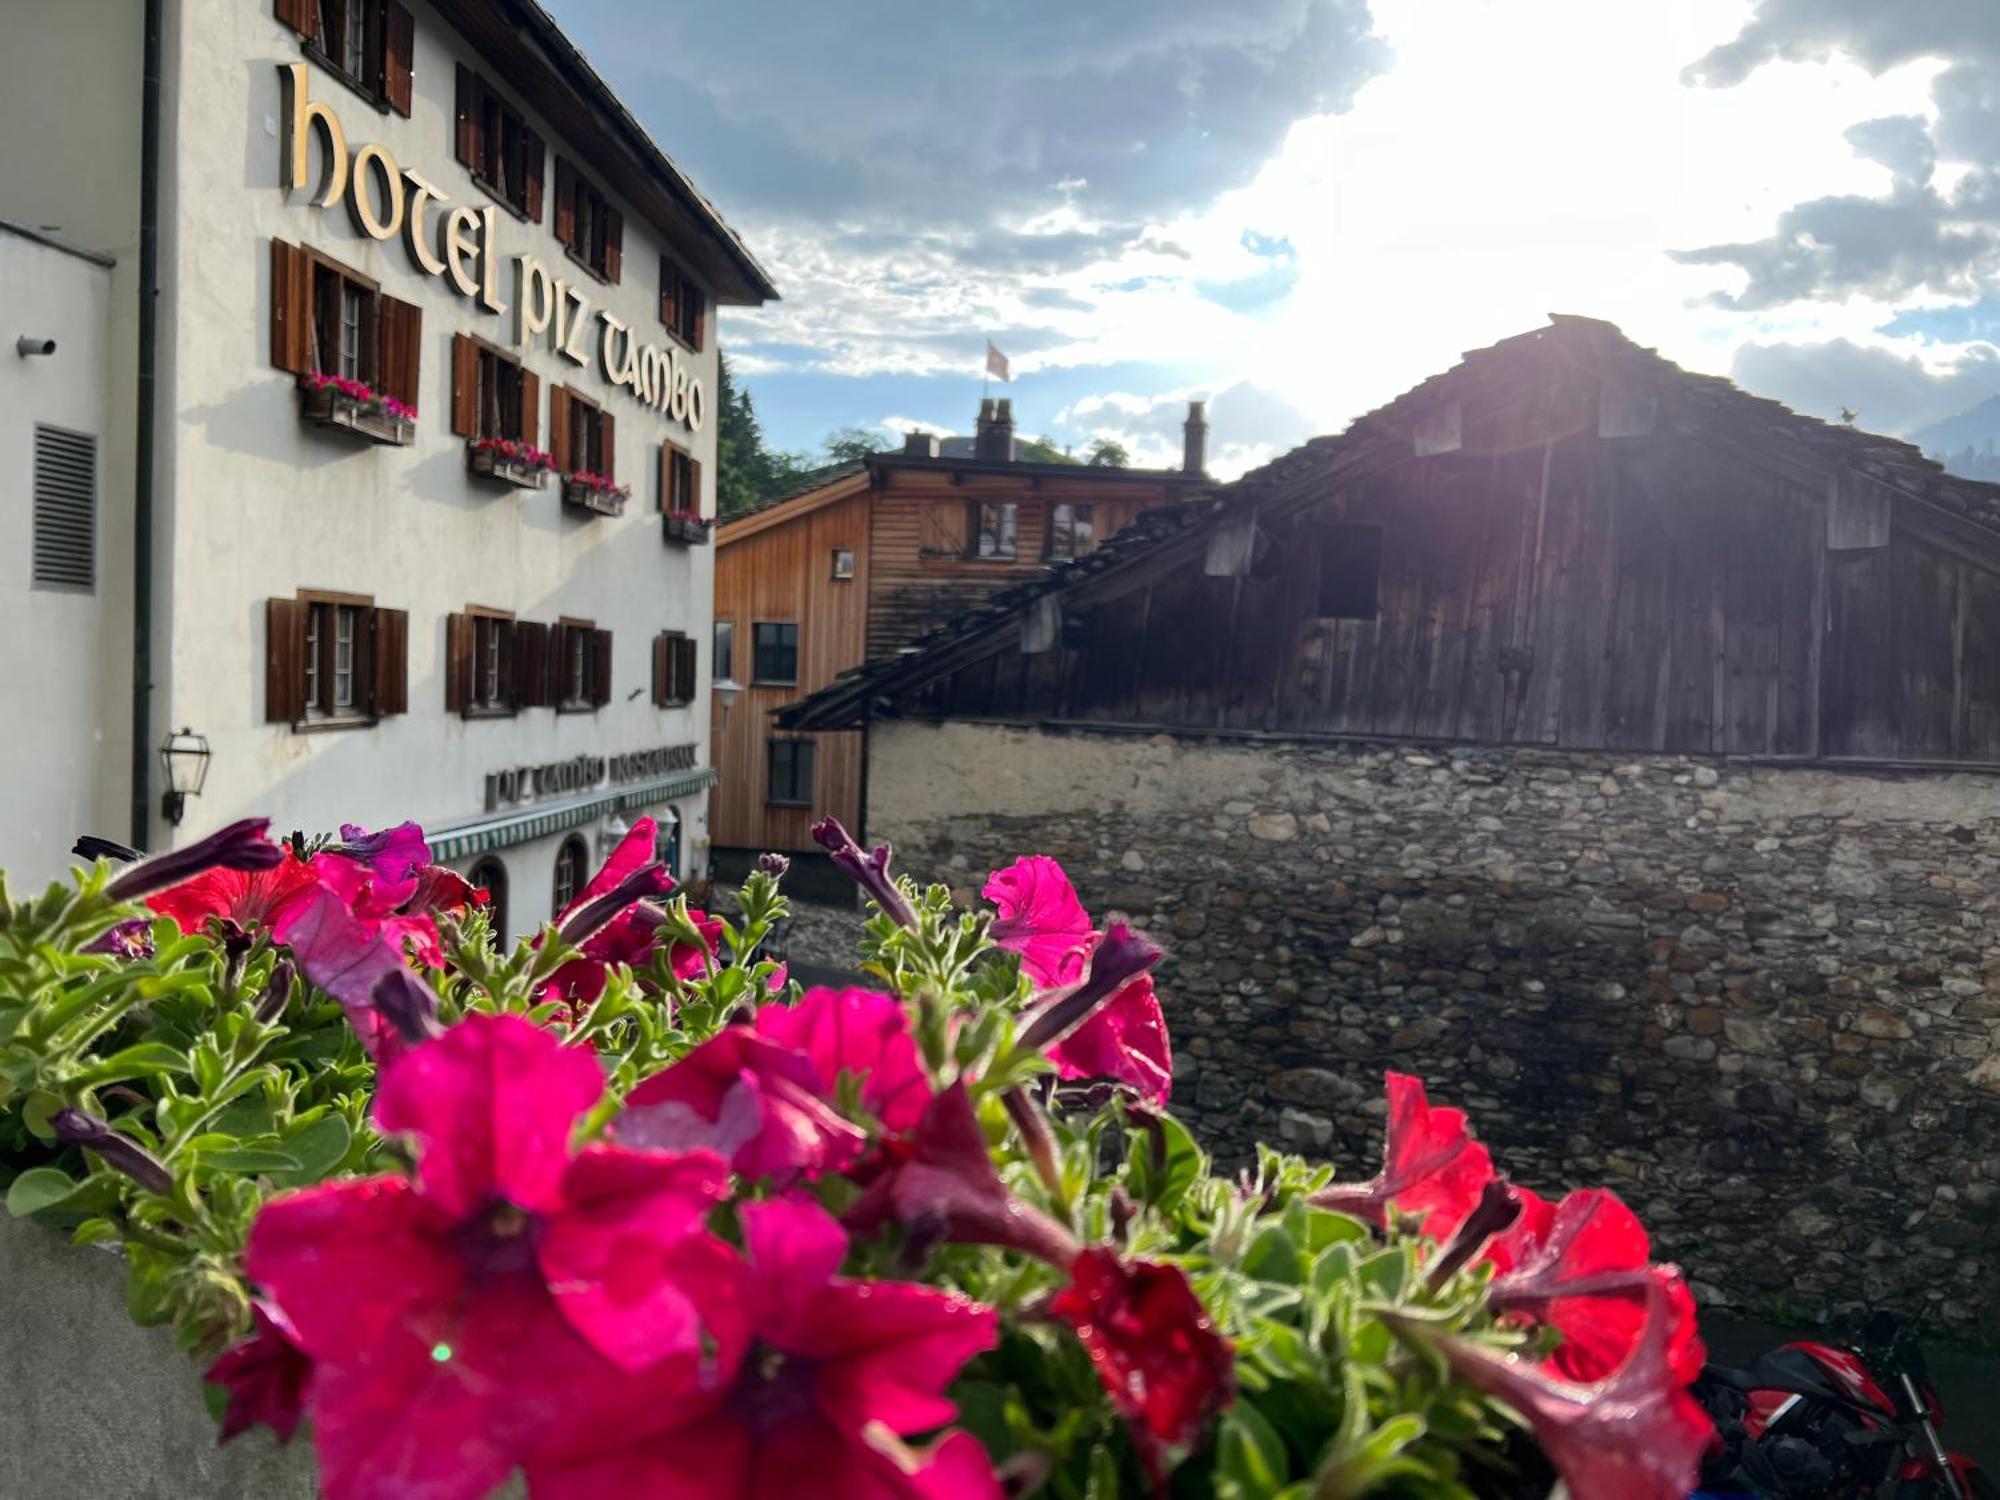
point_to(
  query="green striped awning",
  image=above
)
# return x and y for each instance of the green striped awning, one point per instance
(498, 830)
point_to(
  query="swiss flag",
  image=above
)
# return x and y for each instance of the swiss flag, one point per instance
(996, 362)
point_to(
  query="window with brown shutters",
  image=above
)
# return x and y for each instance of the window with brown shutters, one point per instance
(330, 319)
(673, 669)
(492, 394)
(587, 225)
(506, 156)
(582, 434)
(680, 481)
(683, 305)
(334, 660)
(579, 665)
(367, 44)
(480, 651)
(531, 665)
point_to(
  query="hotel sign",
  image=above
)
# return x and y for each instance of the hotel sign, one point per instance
(584, 773)
(460, 245)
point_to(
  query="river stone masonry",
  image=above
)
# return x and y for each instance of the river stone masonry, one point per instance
(1760, 1002)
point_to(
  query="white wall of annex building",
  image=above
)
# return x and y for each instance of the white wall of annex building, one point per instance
(264, 505)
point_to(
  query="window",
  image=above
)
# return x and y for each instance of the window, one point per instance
(790, 782)
(994, 526)
(65, 510)
(492, 396)
(571, 862)
(580, 655)
(1350, 570)
(334, 659)
(504, 155)
(680, 482)
(776, 652)
(490, 876)
(674, 669)
(367, 43)
(683, 305)
(331, 320)
(724, 663)
(580, 434)
(590, 228)
(1070, 532)
(843, 563)
(494, 664)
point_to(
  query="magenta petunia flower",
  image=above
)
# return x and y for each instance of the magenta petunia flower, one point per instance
(622, 924)
(495, 1309)
(861, 1033)
(265, 1375)
(838, 1374)
(1125, 1040)
(1041, 919)
(346, 955)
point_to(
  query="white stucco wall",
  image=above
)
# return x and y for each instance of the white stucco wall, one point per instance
(264, 505)
(58, 746)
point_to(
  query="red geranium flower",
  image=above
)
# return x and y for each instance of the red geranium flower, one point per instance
(1432, 1169)
(265, 1375)
(1041, 919)
(493, 1309)
(1636, 1435)
(838, 1373)
(1167, 1369)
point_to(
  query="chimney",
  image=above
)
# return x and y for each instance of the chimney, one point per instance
(1194, 440)
(920, 445)
(993, 442)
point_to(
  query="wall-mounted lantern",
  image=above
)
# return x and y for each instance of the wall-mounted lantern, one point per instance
(726, 692)
(612, 835)
(185, 755)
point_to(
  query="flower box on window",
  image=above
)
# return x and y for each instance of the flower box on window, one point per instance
(688, 529)
(508, 461)
(351, 406)
(598, 493)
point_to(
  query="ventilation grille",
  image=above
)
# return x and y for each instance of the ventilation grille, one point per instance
(65, 508)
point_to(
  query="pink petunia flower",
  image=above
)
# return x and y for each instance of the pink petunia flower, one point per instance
(838, 1374)
(265, 1374)
(1040, 918)
(493, 1310)
(630, 936)
(863, 1034)
(1432, 1169)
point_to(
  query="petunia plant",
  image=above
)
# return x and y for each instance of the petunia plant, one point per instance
(624, 1211)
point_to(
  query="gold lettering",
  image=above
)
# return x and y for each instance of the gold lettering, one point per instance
(489, 263)
(570, 319)
(697, 405)
(415, 230)
(361, 199)
(608, 348)
(538, 299)
(461, 245)
(301, 112)
(678, 409)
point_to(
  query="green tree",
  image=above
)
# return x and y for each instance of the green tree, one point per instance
(1108, 453)
(747, 473)
(1039, 450)
(850, 445)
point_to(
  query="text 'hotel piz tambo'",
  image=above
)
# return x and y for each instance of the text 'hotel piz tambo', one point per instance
(361, 423)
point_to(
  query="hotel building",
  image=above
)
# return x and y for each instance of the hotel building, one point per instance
(359, 420)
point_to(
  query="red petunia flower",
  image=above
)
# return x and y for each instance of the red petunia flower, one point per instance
(265, 1374)
(1167, 1369)
(1433, 1171)
(249, 898)
(1589, 1276)
(1636, 1435)
(1507, 1250)
(1041, 919)
(493, 1310)
(1124, 1041)
(837, 1375)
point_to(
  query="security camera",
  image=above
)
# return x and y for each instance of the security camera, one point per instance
(28, 347)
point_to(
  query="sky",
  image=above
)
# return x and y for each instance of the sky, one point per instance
(1297, 209)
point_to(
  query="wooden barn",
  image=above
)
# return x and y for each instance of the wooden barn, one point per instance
(1564, 540)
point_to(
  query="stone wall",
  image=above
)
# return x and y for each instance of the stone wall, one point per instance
(1762, 1003)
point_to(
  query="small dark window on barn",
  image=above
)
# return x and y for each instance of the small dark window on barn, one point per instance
(725, 650)
(1350, 572)
(995, 528)
(1070, 532)
(65, 501)
(776, 653)
(791, 773)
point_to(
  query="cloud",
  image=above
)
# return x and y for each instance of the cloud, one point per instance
(1894, 392)
(1248, 424)
(1876, 34)
(1902, 143)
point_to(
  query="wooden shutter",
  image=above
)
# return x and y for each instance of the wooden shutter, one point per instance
(694, 486)
(534, 165)
(559, 429)
(291, 308)
(663, 669)
(666, 477)
(614, 244)
(458, 643)
(565, 203)
(697, 313)
(471, 120)
(398, 46)
(531, 408)
(666, 291)
(600, 667)
(297, 14)
(684, 669)
(284, 660)
(556, 680)
(402, 348)
(464, 385)
(389, 679)
(531, 664)
(608, 428)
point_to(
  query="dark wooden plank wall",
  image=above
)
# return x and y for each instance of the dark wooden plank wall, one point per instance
(1671, 603)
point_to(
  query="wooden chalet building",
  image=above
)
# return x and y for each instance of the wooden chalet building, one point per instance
(1608, 746)
(868, 560)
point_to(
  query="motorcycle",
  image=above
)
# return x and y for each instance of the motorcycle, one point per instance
(1818, 1420)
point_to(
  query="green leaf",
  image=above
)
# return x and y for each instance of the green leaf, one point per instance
(251, 1159)
(36, 1112)
(38, 1188)
(146, 1060)
(1273, 1257)
(319, 1148)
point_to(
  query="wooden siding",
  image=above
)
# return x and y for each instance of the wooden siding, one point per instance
(785, 575)
(1633, 594)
